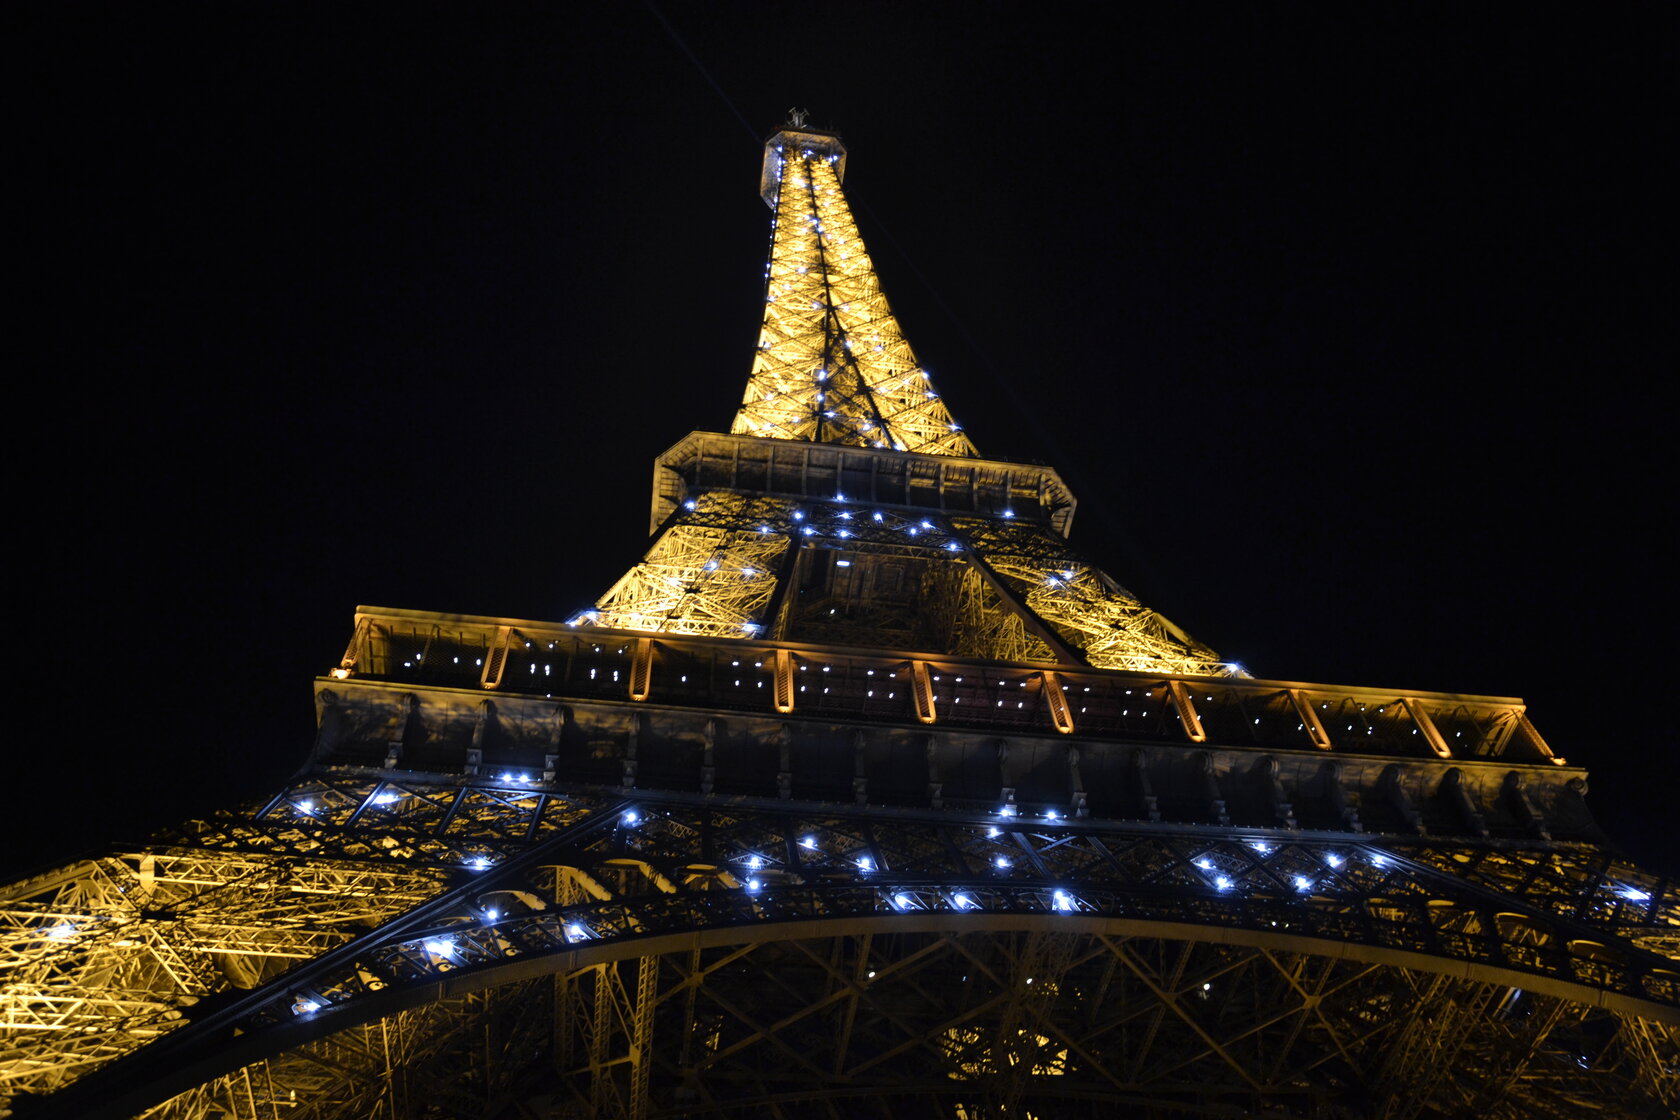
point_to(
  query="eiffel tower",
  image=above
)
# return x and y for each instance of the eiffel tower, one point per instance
(861, 793)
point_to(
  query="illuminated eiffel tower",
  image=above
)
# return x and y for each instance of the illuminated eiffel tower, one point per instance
(862, 793)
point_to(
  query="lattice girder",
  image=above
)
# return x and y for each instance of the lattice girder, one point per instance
(659, 868)
(832, 365)
(999, 588)
(109, 954)
(1062, 1023)
(710, 572)
(442, 917)
(1090, 612)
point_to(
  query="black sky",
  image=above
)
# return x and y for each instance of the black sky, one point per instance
(1352, 333)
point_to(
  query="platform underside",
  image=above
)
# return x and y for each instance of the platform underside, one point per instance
(379, 941)
(973, 1024)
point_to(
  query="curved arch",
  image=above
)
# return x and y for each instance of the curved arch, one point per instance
(619, 949)
(220, 1056)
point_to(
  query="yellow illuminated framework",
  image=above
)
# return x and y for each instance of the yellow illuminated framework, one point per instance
(833, 368)
(92, 973)
(712, 575)
(907, 807)
(1086, 608)
(832, 365)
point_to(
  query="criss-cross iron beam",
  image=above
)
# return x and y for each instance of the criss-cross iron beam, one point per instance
(172, 1063)
(1169, 1002)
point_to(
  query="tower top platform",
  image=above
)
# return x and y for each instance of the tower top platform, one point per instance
(801, 140)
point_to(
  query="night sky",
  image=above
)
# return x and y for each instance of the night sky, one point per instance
(1351, 333)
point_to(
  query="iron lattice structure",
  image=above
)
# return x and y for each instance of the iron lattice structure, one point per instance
(832, 365)
(863, 794)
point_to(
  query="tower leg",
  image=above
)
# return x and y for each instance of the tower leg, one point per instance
(641, 1035)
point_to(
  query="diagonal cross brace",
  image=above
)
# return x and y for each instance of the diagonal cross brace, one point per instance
(209, 1044)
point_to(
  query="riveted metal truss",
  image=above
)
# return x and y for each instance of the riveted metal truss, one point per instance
(107, 954)
(981, 620)
(1089, 611)
(847, 573)
(442, 918)
(710, 572)
(950, 1023)
(832, 365)
(104, 955)
(668, 948)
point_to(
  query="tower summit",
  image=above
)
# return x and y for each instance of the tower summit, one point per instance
(860, 785)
